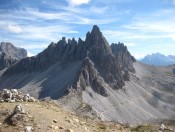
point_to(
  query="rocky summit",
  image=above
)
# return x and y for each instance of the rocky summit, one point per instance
(12, 51)
(9, 54)
(96, 79)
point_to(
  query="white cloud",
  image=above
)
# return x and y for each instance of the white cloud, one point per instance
(99, 10)
(68, 15)
(77, 2)
(172, 36)
(115, 1)
(34, 46)
(10, 26)
(130, 44)
(146, 26)
(29, 54)
(14, 29)
(89, 21)
(139, 56)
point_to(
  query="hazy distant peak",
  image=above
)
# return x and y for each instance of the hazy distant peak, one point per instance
(158, 59)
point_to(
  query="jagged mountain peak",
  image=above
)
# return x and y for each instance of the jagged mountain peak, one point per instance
(9, 54)
(11, 50)
(96, 30)
(110, 65)
(103, 77)
(96, 43)
(118, 47)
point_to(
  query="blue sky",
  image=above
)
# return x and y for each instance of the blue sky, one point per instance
(144, 26)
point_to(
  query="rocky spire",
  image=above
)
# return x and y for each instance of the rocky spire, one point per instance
(123, 56)
(97, 45)
(96, 30)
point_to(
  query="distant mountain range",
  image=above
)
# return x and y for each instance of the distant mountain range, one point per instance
(158, 59)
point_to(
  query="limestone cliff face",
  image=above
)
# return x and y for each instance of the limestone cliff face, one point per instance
(123, 56)
(90, 77)
(9, 54)
(5, 61)
(12, 51)
(105, 64)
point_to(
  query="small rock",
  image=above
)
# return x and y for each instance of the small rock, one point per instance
(55, 127)
(14, 91)
(14, 120)
(76, 120)
(17, 118)
(31, 99)
(55, 121)
(68, 120)
(171, 129)
(69, 130)
(28, 129)
(162, 126)
(82, 122)
(18, 109)
(12, 101)
(74, 125)
(60, 127)
(50, 126)
(7, 94)
(25, 98)
(1, 100)
(86, 128)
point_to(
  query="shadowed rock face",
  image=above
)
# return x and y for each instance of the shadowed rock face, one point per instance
(174, 71)
(123, 56)
(105, 64)
(5, 61)
(89, 77)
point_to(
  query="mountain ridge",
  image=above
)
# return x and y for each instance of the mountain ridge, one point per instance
(106, 78)
(158, 59)
(95, 47)
(9, 54)
(11, 50)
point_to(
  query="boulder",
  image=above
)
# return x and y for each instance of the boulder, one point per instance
(18, 109)
(25, 98)
(31, 99)
(14, 95)
(162, 127)
(27, 129)
(6, 94)
(14, 91)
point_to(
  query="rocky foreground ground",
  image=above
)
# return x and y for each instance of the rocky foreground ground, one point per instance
(20, 112)
(49, 117)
